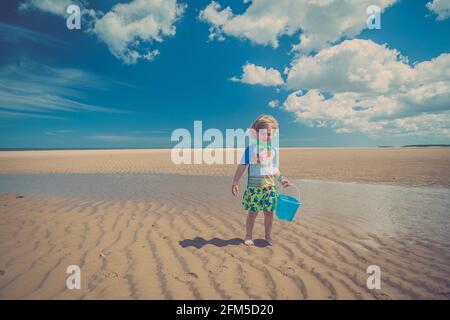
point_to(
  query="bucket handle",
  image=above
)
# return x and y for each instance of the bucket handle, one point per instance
(296, 188)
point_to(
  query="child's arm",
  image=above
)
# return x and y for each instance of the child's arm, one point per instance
(281, 179)
(239, 172)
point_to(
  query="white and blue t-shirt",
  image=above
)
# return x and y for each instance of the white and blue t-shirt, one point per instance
(262, 161)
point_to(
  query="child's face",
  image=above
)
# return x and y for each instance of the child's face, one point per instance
(265, 135)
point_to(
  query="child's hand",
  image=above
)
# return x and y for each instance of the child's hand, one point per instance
(285, 183)
(234, 188)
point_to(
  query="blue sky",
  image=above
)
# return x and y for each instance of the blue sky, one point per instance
(62, 88)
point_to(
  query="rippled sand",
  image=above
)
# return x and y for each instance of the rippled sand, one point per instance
(154, 236)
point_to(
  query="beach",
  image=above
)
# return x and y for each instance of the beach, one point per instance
(141, 227)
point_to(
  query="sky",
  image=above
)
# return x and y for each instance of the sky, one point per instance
(137, 70)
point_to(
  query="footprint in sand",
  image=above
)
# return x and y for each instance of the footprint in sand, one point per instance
(186, 277)
(381, 296)
(287, 270)
(109, 274)
(221, 268)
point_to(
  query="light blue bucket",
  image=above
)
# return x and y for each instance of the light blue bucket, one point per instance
(287, 206)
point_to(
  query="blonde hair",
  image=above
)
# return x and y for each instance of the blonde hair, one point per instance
(264, 121)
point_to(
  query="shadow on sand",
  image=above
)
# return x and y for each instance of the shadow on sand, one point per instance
(200, 242)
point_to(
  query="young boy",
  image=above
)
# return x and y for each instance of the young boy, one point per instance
(261, 194)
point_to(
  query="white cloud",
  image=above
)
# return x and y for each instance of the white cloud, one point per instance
(31, 90)
(362, 86)
(214, 15)
(21, 115)
(14, 34)
(130, 28)
(353, 65)
(150, 56)
(349, 112)
(59, 7)
(440, 7)
(60, 133)
(56, 7)
(273, 103)
(216, 18)
(252, 74)
(321, 22)
(347, 85)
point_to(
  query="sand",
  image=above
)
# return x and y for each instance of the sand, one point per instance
(400, 166)
(142, 228)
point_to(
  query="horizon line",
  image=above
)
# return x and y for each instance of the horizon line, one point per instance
(167, 148)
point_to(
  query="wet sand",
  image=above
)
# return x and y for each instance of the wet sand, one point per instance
(153, 235)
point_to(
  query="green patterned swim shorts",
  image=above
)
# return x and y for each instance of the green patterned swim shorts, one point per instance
(260, 198)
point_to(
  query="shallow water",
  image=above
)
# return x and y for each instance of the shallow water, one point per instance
(414, 212)
(411, 212)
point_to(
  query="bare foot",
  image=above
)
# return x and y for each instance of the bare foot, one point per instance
(249, 242)
(269, 241)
